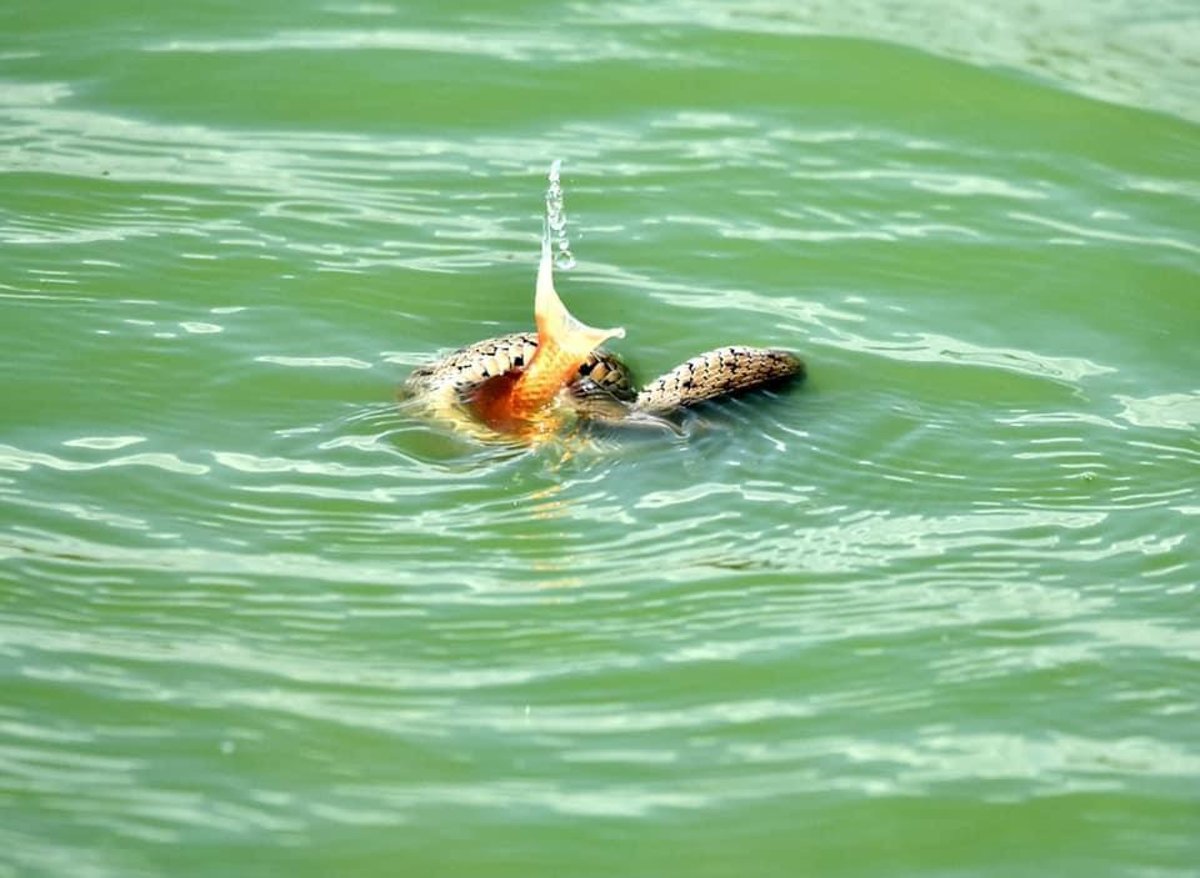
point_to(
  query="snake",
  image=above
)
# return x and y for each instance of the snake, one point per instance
(603, 389)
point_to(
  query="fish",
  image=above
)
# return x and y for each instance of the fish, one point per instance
(516, 399)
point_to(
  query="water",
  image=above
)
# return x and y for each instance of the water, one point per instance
(931, 613)
(554, 235)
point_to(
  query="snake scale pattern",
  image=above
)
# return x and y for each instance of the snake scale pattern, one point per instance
(604, 387)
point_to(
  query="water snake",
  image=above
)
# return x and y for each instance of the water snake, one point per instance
(462, 387)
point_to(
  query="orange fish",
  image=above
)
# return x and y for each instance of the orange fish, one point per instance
(515, 401)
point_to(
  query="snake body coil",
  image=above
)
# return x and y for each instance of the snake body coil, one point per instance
(603, 388)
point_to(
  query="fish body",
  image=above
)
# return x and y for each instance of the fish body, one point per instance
(564, 343)
(516, 398)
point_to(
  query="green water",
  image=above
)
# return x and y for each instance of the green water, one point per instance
(933, 613)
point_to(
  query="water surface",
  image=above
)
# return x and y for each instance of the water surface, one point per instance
(931, 613)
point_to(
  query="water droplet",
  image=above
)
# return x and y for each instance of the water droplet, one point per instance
(556, 220)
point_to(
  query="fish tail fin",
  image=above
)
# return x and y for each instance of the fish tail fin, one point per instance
(556, 325)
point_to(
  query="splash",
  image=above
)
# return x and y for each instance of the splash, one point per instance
(554, 232)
